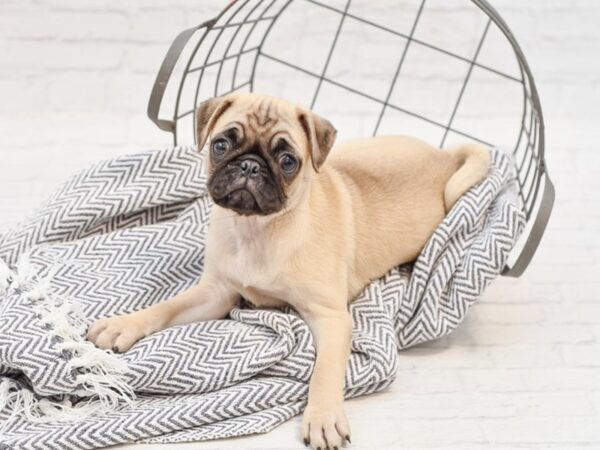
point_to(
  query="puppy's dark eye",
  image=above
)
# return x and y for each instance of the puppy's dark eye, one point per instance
(288, 163)
(220, 146)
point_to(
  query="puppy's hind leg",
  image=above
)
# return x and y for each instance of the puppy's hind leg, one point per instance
(207, 300)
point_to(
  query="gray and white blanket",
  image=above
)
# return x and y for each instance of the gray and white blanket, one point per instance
(130, 232)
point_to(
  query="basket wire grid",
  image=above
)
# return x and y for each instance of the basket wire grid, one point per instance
(237, 51)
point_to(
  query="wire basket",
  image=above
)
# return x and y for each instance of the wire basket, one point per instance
(446, 71)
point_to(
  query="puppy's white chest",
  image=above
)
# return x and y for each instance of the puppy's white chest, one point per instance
(259, 284)
(247, 271)
(246, 259)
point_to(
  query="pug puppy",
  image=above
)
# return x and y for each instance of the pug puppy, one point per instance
(297, 222)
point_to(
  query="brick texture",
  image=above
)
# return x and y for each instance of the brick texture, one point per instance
(523, 371)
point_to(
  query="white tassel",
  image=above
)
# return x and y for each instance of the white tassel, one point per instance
(25, 274)
(23, 403)
(38, 291)
(101, 379)
(6, 277)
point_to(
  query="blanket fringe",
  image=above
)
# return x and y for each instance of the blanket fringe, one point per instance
(6, 277)
(100, 375)
(21, 403)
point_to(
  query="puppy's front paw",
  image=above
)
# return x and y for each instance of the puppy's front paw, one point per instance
(118, 333)
(325, 427)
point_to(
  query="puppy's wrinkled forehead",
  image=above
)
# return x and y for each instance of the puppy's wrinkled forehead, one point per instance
(261, 119)
(262, 114)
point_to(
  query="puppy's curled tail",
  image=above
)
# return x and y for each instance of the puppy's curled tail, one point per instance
(473, 162)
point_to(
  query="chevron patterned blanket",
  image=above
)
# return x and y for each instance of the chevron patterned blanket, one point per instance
(129, 232)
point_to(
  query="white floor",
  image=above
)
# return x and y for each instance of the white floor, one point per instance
(523, 371)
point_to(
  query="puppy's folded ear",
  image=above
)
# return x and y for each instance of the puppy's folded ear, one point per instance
(320, 134)
(207, 114)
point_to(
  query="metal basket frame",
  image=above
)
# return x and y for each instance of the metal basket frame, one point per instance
(532, 175)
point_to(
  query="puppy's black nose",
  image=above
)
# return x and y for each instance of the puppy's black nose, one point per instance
(249, 167)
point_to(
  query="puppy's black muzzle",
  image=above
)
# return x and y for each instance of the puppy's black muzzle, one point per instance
(246, 185)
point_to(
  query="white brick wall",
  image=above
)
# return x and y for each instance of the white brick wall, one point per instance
(523, 371)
